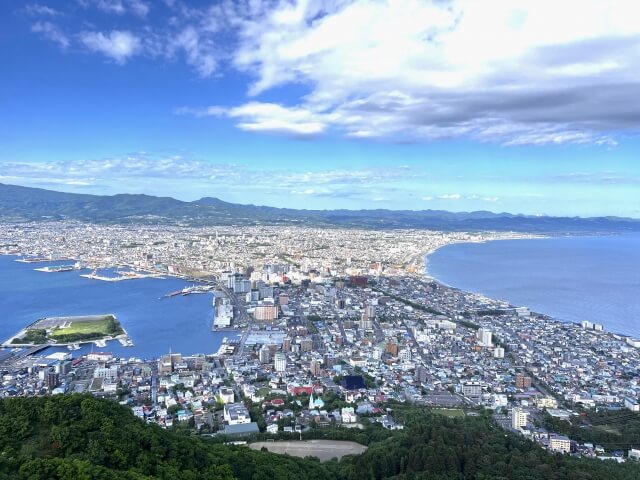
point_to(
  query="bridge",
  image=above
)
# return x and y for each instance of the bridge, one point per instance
(15, 357)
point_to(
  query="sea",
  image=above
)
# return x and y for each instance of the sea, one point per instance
(156, 325)
(595, 278)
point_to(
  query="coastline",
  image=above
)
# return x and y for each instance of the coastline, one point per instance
(429, 276)
(497, 238)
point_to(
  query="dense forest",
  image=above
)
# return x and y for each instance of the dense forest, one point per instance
(79, 437)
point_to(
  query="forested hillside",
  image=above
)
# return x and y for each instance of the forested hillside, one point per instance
(78, 437)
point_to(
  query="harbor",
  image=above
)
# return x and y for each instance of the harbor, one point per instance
(153, 326)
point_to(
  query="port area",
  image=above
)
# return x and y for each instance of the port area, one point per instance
(121, 276)
(191, 290)
(61, 268)
(42, 259)
(70, 332)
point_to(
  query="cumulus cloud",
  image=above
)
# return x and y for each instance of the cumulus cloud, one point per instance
(521, 72)
(274, 118)
(117, 45)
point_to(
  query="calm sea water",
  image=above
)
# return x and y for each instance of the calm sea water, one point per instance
(182, 324)
(570, 278)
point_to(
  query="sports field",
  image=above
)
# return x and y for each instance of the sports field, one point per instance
(323, 449)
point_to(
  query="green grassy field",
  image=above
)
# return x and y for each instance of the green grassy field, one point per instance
(449, 412)
(99, 326)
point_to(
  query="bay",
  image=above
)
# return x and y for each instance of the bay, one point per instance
(595, 278)
(180, 323)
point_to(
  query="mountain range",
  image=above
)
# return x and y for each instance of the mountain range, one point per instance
(19, 204)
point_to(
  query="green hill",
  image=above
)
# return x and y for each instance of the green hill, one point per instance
(78, 437)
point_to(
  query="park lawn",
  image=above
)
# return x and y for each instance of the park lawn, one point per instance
(98, 326)
(449, 412)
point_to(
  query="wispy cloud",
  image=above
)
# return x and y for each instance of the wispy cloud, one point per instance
(598, 178)
(199, 49)
(141, 168)
(52, 32)
(457, 196)
(408, 70)
(118, 7)
(37, 9)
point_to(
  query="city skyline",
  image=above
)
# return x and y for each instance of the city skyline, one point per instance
(399, 105)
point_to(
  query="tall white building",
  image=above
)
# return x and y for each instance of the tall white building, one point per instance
(484, 336)
(280, 362)
(519, 418)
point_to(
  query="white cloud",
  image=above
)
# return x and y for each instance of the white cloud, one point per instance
(118, 7)
(41, 10)
(520, 72)
(51, 32)
(450, 196)
(141, 165)
(117, 45)
(270, 117)
(199, 50)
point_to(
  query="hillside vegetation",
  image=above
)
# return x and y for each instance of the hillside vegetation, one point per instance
(77, 437)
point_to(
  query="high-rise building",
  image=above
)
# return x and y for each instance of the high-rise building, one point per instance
(523, 381)
(314, 367)
(484, 337)
(279, 362)
(392, 348)
(51, 379)
(420, 374)
(306, 345)
(265, 354)
(560, 443)
(370, 311)
(405, 355)
(519, 418)
(265, 312)
(472, 389)
(329, 361)
(253, 296)
(365, 322)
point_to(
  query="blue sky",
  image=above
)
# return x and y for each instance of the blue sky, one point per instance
(403, 104)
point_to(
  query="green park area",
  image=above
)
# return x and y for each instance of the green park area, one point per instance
(70, 330)
(449, 412)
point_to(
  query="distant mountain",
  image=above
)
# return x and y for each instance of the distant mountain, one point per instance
(28, 204)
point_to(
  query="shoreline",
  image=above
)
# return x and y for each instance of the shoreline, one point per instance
(430, 277)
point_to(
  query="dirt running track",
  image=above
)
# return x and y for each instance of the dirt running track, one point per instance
(323, 449)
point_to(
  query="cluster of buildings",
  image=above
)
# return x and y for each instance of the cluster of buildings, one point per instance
(336, 324)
